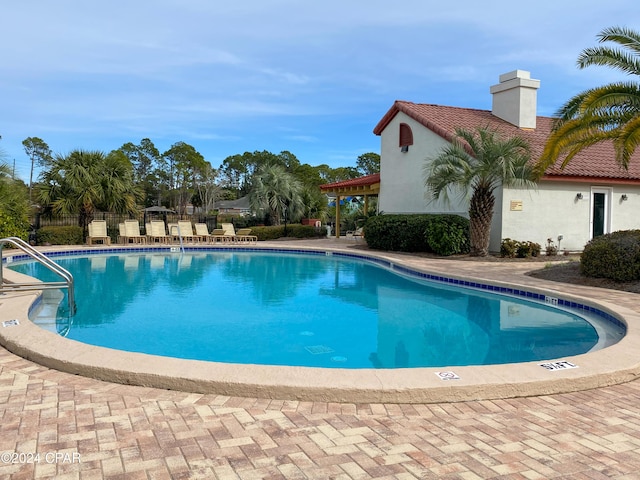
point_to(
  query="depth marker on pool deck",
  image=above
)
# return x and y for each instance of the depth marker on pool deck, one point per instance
(447, 376)
(552, 366)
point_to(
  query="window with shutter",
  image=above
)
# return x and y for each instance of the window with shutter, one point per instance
(406, 137)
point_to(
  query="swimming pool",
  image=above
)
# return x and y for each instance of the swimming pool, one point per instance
(317, 309)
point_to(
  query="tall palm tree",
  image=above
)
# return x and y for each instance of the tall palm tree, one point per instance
(607, 113)
(84, 181)
(278, 193)
(479, 162)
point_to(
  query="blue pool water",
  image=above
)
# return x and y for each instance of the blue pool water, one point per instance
(308, 310)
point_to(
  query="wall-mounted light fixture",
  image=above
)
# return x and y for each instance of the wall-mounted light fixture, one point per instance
(579, 196)
(624, 197)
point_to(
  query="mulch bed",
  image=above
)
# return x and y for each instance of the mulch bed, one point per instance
(570, 273)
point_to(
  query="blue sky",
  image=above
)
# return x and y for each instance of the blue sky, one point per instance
(313, 78)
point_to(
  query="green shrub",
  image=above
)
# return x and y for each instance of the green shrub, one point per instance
(397, 233)
(508, 248)
(528, 249)
(69, 235)
(513, 248)
(448, 234)
(293, 231)
(443, 234)
(268, 233)
(304, 231)
(13, 226)
(615, 255)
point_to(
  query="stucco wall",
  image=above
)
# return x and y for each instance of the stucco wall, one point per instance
(402, 187)
(550, 210)
(553, 210)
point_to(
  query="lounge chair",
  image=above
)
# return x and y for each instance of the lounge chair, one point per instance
(132, 232)
(218, 236)
(357, 233)
(241, 236)
(172, 228)
(122, 233)
(156, 232)
(203, 232)
(183, 229)
(229, 232)
(98, 232)
(244, 235)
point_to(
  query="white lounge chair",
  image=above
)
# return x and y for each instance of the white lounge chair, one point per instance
(132, 232)
(156, 232)
(244, 235)
(183, 229)
(203, 232)
(98, 232)
(241, 236)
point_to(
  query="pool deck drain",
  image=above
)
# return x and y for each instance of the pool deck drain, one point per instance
(123, 431)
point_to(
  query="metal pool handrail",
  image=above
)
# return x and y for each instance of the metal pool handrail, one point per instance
(47, 262)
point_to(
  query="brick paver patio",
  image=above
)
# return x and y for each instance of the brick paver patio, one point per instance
(83, 428)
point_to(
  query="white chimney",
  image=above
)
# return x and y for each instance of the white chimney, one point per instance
(515, 98)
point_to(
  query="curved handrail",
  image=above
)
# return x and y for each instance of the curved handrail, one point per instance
(177, 227)
(47, 262)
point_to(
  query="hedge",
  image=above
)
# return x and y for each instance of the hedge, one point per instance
(293, 231)
(68, 235)
(614, 255)
(441, 234)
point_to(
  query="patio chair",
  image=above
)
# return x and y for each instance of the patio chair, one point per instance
(172, 228)
(156, 232)
(203, 232)
(218, 236)
(132, 232)
(244, 235)
(229, 232)
(98, 232)
(183, 229)
(122, 233)
(355, 234)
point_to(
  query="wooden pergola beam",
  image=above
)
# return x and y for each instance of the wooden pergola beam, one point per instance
(360, 187)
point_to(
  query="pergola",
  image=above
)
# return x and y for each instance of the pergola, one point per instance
(366, 186)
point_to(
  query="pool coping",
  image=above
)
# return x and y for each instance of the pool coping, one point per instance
(616, 364)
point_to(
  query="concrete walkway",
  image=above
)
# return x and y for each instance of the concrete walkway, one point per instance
(69, 427)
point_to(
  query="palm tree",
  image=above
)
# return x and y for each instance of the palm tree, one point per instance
(607, 113)
(278, 193)
(85, 181)
(479, 161)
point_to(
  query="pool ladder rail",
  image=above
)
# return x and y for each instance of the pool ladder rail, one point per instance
(178, 233)
(48, 263)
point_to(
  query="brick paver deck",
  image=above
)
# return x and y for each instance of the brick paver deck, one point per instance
(103, 430)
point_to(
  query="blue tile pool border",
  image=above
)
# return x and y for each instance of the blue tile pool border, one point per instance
(517, 292)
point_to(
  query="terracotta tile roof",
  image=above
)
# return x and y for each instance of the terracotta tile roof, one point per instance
(596, 162)
(365, 181)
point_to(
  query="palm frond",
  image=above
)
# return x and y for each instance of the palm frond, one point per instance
(622, 36)
(609, 57)
(607, 113)
(495, 160)
(626, 141)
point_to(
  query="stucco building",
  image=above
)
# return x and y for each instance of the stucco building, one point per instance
(591, 196)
